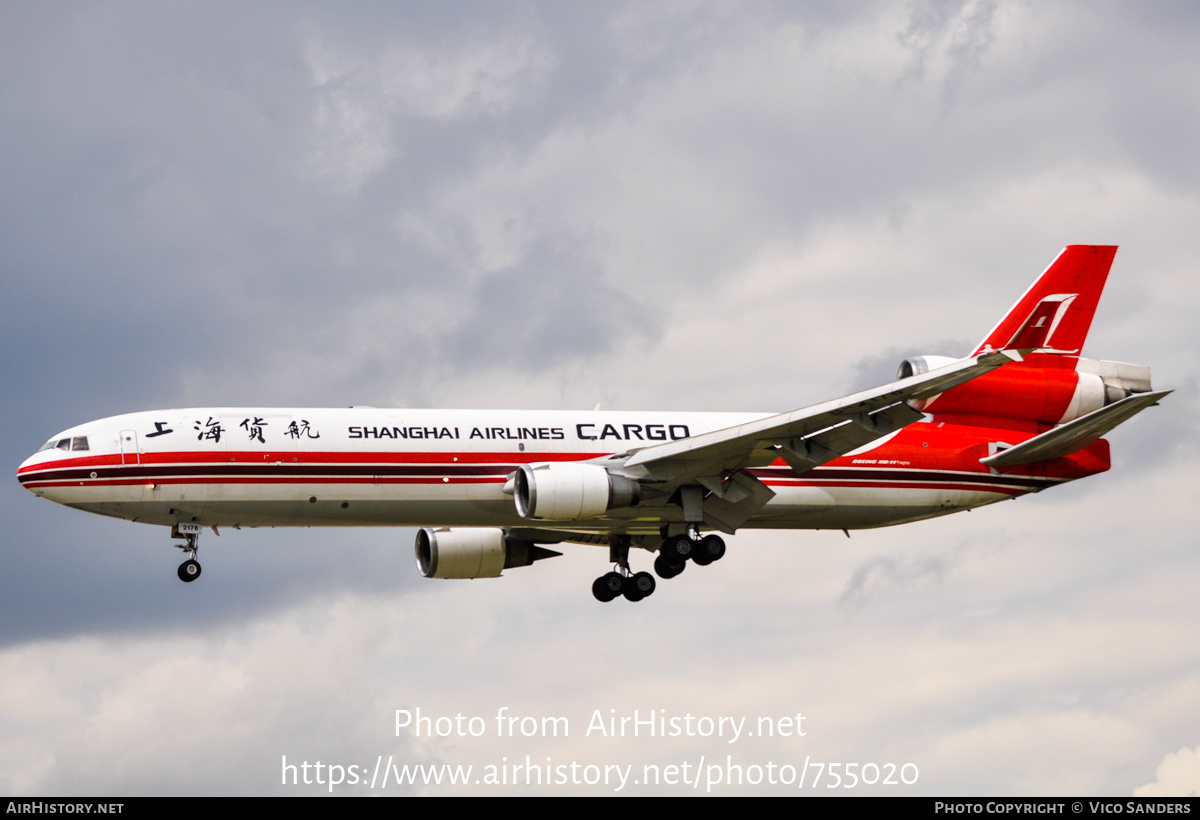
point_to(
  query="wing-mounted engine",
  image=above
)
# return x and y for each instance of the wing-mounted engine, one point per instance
(473, 552)
(570, 491)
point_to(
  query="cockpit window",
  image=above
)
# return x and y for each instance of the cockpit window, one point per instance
(77, 443)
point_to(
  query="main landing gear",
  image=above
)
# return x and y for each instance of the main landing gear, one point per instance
(671, 561)
(189, 570)
(676, 551)
(622, 581)
(634, 587)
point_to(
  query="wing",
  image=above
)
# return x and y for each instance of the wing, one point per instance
(804, 438)
(810, 436)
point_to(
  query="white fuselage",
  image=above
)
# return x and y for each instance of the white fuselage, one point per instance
(375, 467)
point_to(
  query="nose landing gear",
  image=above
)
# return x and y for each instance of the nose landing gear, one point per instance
(189, 570)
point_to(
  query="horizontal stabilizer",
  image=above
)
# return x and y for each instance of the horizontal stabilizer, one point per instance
(1075, 435)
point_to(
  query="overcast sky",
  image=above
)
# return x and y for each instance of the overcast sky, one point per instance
(674, 206)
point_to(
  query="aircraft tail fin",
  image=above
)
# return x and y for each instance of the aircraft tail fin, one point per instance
(1054, 315)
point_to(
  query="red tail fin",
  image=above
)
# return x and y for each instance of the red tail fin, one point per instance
(1056, 312)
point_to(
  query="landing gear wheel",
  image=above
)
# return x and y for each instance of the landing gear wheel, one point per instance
(639, 586)
(712, 547)
(666, 567)
(189, 571)
(601, 591)
(679, 548)
(608, 586)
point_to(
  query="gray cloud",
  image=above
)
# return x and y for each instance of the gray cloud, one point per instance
(685, 206)
(1177, 776)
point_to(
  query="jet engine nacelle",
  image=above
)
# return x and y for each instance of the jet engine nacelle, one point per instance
(473, 552)
(571, 491)
(922, 364)
(918, 365)
(1025, 392)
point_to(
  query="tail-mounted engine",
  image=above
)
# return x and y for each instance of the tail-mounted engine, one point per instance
(1046, 389)
(571, 491)
(473, 553)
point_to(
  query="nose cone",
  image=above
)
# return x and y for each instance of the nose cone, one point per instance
(32, 471)
(25, 472)
(47, 468)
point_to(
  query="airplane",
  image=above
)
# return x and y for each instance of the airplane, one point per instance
(492, 490)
